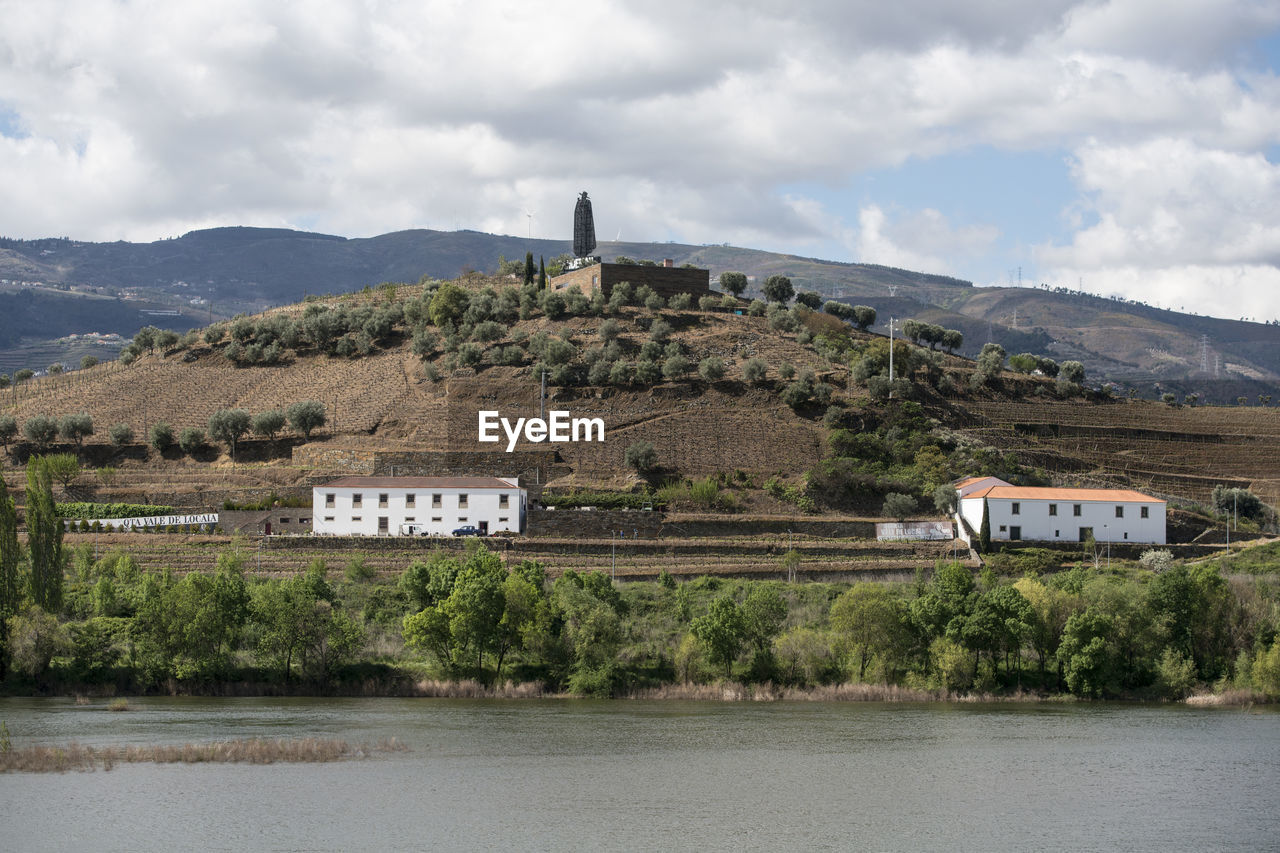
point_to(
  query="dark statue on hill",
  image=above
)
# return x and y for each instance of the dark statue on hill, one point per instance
(584, 228)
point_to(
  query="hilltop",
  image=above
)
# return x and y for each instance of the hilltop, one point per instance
(784, 413)
(214, 274)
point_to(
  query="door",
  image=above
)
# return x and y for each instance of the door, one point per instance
(1015, 532)
(484, 528)
(1086, 533)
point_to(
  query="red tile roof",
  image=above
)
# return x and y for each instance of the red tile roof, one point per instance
(1034, 493)
(418, 483)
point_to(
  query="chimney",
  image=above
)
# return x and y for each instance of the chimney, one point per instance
(668, 263)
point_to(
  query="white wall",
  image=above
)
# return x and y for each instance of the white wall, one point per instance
(1037, 524)
(342, 517)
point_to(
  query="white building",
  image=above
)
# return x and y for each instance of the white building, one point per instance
(431, 506)
(1063, 515)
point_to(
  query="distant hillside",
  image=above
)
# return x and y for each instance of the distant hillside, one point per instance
(218, 272)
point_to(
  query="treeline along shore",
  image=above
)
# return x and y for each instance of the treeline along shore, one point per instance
(463, 623)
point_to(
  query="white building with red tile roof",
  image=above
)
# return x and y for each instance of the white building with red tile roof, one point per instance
(1063, 514)
(417, 506)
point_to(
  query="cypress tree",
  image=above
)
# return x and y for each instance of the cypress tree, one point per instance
(10, 561)
(542, 273)
(528, 267)
(984, 535)
(44, 537)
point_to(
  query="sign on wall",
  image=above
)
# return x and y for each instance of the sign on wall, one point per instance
(204, 518)
(915, 530)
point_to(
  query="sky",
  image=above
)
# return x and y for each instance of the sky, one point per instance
(1126, 148)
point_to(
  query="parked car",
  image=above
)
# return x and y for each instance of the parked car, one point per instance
(469, 530)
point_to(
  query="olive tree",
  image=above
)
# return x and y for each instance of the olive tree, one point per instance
(733, 282)
(641, 456)
(777, 288)
(306, 417)
(268, 423)
(227, 426)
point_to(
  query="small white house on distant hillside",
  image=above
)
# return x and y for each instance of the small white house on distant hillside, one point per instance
(412, 506)
(1062, 514)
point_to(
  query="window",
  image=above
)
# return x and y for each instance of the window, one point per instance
(1120, 512)
(461, 518)
(1142, 512)
(502, 520)
(503, 501)
(382, 499)
(1075, 509)
(408, 518)
(1016, 508)
(1057, 534)
(355, 518)
(328, 499)
(357, 499)
(383, 524)
(435, 501)
(1053, 509)
(462, 501)
(284, 521)
(328, 518)
(1126, 534)
(410, 499)
(1003, 528)
(437, 519)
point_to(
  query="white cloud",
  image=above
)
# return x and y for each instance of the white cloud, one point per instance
(689, 121)
(923, 241)
(1172, 217)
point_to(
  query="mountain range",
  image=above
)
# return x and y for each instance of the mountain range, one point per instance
(52, 289)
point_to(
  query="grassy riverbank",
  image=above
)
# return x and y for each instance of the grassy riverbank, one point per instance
(75, 756)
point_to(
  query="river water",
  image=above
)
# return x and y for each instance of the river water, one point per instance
(632, 775)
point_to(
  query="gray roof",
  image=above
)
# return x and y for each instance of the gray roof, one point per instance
(418, 483)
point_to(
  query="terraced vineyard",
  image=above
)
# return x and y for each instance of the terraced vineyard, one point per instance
(1182, 452)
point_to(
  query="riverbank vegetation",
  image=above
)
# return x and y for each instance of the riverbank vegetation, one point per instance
(75, 756)
(465, 623)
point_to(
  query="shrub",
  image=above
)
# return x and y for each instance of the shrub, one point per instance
(641, 456)
(809, 299)
(600, 372)
(358, 570)
(1156, 559)
(711, 368)
(191, 440)
(756, 308)
(898, 506)
(709, 303)
(647, 372)
(681, 301)
(786, 371)
(754, 370)
(609, 330)
(660, 330)
(161, 436)
(675, 367)
(621, 373)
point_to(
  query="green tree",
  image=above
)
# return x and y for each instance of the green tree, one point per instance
(841, 310)
(228, 426)
(777, 288)
(1088, 660)
(809, 299)
(867, 621)
(44, 537)
(733, 282)
(952, 340)
(306, 417)
(864, 316)
(448, 305)
(63, 467)
(542, 273)
(528, 267)
(984, 532)
(754, 370)
(76, 427)
(764, 611)
(1072, 371)
(10, 569)
(8, 429)
(88, 361)
(945, 499)
(268, 423)
(722, 630)
(898, 506)
(40, 430)
(34, 638)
